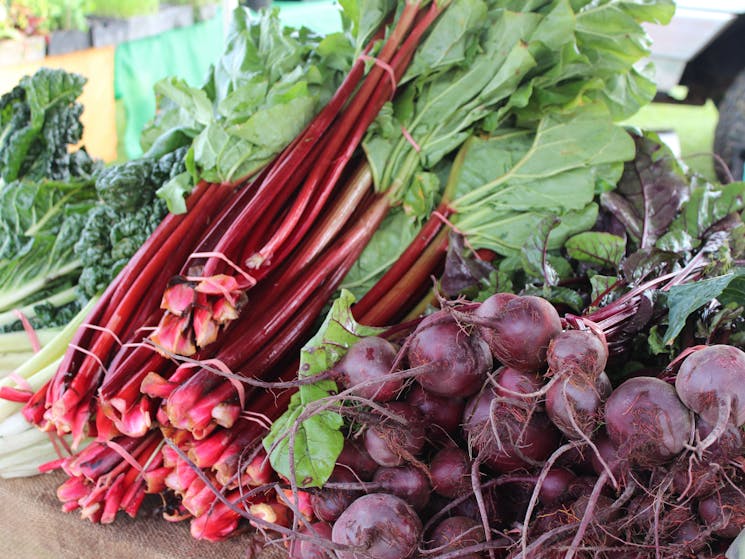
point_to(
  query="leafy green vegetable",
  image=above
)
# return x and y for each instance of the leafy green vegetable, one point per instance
(683, 300)
(128, 212)
(362, 17)
(318, 439)
(39, 119)
(603, 249)
(391, 238)
(124, 188)
(651, 191)
(39, 225)
(709, 204)
(268, 84)
(508, 183)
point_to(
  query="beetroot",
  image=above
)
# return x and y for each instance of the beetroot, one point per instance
(610, 454)
(407, 482)
(370, 360)
(728, 446)
(555, 487)
(511, 381)
(450, 470)
(354, 457)
(647, 422)
(391, 443)
(508, 436)
(724, 512)
(520, 334)
(582, 350)
(711, 382)
(573, 404)
(443, 413)
(307, 549)
(454, 533)
(328, 504)
(455, 361)
(378, 525)
(487, 311)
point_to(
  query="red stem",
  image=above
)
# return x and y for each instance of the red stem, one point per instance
(367, 102)
(80, 388)
(284, 172)
(403, 265)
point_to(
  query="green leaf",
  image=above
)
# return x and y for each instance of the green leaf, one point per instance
(175, 191)
(194, 102)
(535, 252)
(274, 127)
(708, 205)
(241, 103)
(319, 439)
(420, 197)
(544, 168)
(734, 293)
(448, 41)
(683, 300)
(602, 249)
(386, 245)
(363, 17)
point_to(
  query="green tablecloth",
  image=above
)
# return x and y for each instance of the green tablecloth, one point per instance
(187, 52)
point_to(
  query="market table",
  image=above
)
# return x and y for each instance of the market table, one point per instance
(34, 527)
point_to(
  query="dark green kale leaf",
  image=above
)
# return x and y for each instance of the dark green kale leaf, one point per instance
(39, 119)
(126, 187)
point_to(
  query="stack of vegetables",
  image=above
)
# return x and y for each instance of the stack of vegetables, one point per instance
(470, 140)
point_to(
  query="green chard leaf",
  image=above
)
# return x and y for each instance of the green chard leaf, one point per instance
(262, 92)
(363, 17)
(683, 300)
(597, 248)
(318, 439)
(174, 192)
(506, 184)
(192, 101)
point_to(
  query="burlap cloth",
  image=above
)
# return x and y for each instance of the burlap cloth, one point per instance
(32, 526)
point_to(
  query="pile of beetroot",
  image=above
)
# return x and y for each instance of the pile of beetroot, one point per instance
(492, 430)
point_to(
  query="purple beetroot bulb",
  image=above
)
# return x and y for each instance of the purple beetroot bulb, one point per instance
(408, 482)
(379, 525)
(390, 443)
(571, 350)
(647, 422)
(456, 533)
(519, 335)
(442, 413)
(367, 363)
(711, 381)
(454, 361)
(450, 469)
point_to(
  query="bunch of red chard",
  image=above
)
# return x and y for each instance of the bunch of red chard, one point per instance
(180, 389)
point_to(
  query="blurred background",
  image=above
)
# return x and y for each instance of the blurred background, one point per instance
(124, 47)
